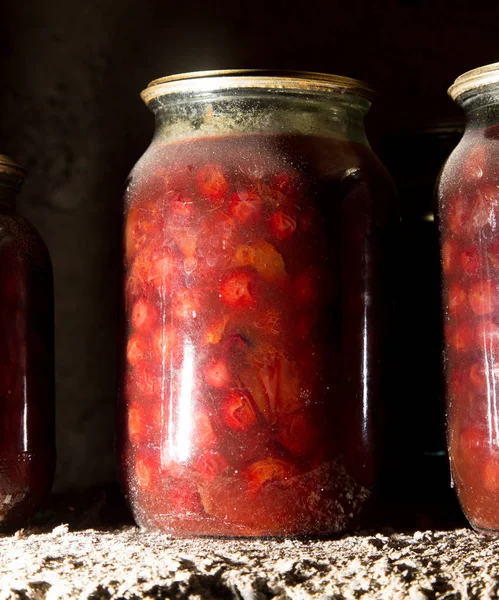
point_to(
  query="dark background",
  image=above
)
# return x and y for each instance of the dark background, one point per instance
(70, 112)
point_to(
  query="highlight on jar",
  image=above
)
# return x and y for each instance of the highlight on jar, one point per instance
(468, 194)
(255, 294)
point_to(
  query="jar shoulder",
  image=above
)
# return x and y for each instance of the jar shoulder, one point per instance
(20, 239)
(261, 155)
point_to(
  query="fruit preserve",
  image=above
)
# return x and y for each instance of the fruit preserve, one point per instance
(27, 451)
(468, 194)
(255, 286)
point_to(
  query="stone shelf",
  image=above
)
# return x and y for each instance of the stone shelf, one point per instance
(85, 546)
(128, 564)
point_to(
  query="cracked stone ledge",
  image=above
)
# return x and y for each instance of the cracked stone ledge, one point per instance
(130, 564)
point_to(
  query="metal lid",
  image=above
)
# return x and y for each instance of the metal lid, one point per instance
(476, 78)
(8, 166)
(207, 81)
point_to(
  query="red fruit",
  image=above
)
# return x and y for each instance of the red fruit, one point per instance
(164, 341)
(220, 231)
(132, 231)
(210, 465)
(287, 183)
(238, 288)
(144, 421)
(309, 288)
(143, 473)
(264, 259)
(458, 215)
(212, 183)
(491, 475)
(140, 267)
(460, 337)
(475, 162)
(162, 271)
(144, 315)
(135, 423)
(182, 207)
(449, 256)
(136, 350)
(149, 384)
(267, 471)
(183, 499)
(217, 374)
(283, 387)
(282, 225)
(483, 297)
(276, 510)
(457, 300)
(142, 221)
(245, 206)
(238, 410)
(157, 267)
(298, 434)
(215, 330)
(470, 261)
(185, 305)
(133, 288)
(186, 240)
(204, 434)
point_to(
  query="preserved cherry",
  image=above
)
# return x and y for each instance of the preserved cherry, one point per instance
(27, 452)
(469, 222)
(245, 340)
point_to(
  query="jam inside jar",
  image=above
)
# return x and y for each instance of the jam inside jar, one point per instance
(256, 232)
(468, 194)
(27, 444)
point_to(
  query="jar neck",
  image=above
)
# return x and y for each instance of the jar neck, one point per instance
(481, 107)
(9, 188)
(266, 111)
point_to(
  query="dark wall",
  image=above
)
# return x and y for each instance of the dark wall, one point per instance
(70, 112)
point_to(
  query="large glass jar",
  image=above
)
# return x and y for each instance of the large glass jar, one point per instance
(468, 194)
(27, 446)
(256, 306)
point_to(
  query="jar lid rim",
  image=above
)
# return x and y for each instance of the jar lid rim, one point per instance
(9, 166)
(479, 77)
(199, 81)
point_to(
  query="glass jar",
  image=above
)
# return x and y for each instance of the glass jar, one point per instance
(468, 194)
(27, 447)
(256, 305)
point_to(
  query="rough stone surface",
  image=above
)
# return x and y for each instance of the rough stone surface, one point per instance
(130, 564)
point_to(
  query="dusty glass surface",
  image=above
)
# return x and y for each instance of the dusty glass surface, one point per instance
(468, 195)
(256, 228)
